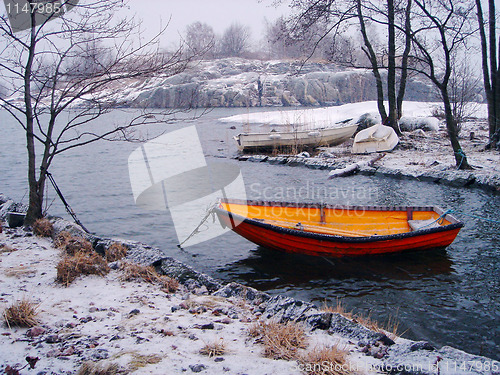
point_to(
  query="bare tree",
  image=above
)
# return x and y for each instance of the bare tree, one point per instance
(371, 17)
(235, 40)
(465, 88)
(200, 38)
(441, 27)
(490, 65)
(54, 95)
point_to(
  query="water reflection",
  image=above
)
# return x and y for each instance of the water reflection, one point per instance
(269, 269)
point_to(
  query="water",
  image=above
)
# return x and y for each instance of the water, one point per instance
(446, 297)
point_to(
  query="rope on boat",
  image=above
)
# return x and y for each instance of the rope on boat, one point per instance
(196, 230)
(66, 204)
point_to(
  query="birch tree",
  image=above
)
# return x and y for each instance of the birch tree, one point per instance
(51, 92)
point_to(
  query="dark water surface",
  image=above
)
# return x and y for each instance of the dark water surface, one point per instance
(448, 297)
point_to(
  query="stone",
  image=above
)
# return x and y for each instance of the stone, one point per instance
(247, 293)
(35, 331)
(197, 368)
(182, 272)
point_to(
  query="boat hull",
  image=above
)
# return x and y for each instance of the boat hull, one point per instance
(309, 138)
(309, 243)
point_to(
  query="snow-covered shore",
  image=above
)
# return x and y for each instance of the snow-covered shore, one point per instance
(425, 155)
(135, 327)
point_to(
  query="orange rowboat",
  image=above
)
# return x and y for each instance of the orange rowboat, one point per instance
(329, 230)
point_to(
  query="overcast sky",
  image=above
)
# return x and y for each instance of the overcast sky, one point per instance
(217, 13)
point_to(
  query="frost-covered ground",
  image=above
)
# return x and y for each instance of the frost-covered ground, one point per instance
(127, 323)
(144, 330)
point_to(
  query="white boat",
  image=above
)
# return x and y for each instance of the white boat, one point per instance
(377, 138)
(299, 138)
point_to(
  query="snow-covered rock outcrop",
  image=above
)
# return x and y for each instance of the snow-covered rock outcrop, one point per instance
(234, 82)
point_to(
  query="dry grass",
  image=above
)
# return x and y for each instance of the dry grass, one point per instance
(325, 361)
(141, 360)
(69, 268)
(62, 239)
(23, 313)
(6, 249)
(281, 341)
(132, 271)
(115, 252)
(43, 227)
(75, 245)
(99, 368)
(20, 271)
(391, 328)
(337, 309)
(214, 349)
(137, 360)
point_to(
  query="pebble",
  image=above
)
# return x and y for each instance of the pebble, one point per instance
(35, 331)
(197, 368)
(134, 312)
(52, 339)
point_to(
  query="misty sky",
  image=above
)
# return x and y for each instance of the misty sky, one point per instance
(217, 13)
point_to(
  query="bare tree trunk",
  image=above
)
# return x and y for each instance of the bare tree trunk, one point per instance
(370, 53)
(391, 71)
(35, 190)
(404, 60)
(452, 128)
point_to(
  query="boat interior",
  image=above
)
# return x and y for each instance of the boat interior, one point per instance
(359, 221)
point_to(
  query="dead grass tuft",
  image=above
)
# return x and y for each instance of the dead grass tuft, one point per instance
(141, 360)
(23, 313)
(76, 245)
(115, 252)
(6, 248)
(43, 227)
(325, 361)
(137, 360)
(99, 368)
(132, 271)
(337, 309)
(281, 341)
(62, 239)
(391, 328)
(214, 349)
(69, 268)
(20, 271)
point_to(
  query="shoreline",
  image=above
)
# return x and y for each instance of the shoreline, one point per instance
(97, 318)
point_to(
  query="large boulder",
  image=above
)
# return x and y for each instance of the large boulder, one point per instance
(409, 124)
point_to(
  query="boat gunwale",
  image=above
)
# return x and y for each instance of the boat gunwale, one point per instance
(298, 131)
(455, 223)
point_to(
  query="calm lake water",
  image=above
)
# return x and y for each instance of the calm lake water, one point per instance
(448, 297)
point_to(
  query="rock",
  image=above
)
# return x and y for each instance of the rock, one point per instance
(285, 309)
(134, 312)
(410, 124)
(367, 120)
(52, 339)
(35, 331)
(197, 367)
(355, 331)
(219, 359)
(99, 354)
(421, 345)
(304, 154)
(181, 272)
(249, 294)
(205, 326)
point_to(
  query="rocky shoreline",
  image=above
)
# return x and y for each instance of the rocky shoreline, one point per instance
(100, 318)
(444, 175)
